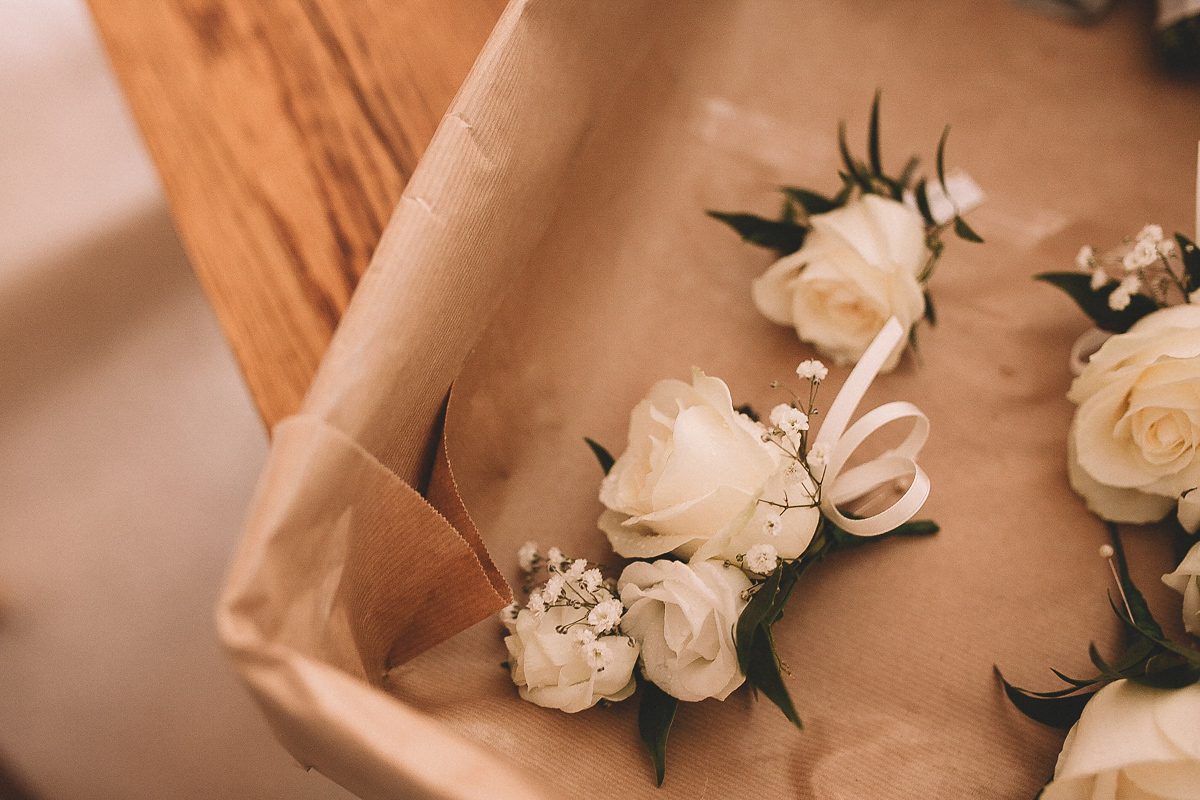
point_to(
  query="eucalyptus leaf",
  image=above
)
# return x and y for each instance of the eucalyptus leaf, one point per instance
(764, 674)
(786, 237)
(602, 455)
(656, 712)
(1191, 261)
(1094, 302)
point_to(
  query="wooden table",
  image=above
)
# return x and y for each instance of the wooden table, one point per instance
(284, 132)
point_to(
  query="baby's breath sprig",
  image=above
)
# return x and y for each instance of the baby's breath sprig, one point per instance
(789, 433)
(570, 584)
(1147, 272)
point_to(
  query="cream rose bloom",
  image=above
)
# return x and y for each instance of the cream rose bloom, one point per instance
(552, 669)
(858, 268)
(1133, 445)
(1186, 580)
(683, 616)
(691, 478)
(1132, 743)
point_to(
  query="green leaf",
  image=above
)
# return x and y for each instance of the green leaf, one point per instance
(1191, 261)
(655, 715)
(922, 195)
(840, 539)
(764, 675)
(910, 169)
(1142, 618)
(1177, 676)
(930, 314)
(1094, 302)
(964, 231)
(873, 138)
(941, 160)
(752, 617)
(854, 168)
(810, 201)
(1057, 712)
(843, 195)
(603, 456)
(786, 237)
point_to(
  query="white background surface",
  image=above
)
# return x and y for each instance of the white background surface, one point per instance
(128, 451)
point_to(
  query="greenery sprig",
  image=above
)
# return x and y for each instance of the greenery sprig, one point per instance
(859, 177)
(758, 656)
(1154, 274)
(1149, 657)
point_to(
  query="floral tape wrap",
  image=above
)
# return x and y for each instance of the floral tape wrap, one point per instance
(843, 487)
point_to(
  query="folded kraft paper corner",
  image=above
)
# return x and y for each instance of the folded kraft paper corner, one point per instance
(551, 259)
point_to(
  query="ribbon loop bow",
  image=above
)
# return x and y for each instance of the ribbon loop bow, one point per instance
(840, 487)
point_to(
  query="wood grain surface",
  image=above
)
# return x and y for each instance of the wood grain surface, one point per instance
(284, 132)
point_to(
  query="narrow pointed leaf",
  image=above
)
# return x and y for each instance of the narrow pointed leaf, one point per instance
(786, 237)
(1094, 302)
(1142, 617)
(930, 313)
(1057, 712)
(752, 617)
(854, 168)
(922, 195)
(811, 202)
(655, 715)
(602, 455)
(1170, 675)
(910, 169)
(964, 231)
(873, 138)
(941, 159)
(764, 675)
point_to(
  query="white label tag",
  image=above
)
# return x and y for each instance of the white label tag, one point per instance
(965, 195)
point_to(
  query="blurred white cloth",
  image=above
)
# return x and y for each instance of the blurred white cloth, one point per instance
(128, 451)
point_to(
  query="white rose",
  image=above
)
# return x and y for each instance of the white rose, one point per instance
(1135, 440)
(691, 478)
(858, 268)
(1186, 580)
(683, 616)
(1132, 743)
(1188, 510)
(566, 671)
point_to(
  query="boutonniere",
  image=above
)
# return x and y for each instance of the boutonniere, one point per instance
(1132, 455)
(1134, 444)
(852, 260)
(720, 516)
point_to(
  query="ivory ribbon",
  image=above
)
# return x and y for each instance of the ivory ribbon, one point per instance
(842, 487)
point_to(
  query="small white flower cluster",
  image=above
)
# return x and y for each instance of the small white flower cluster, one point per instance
(571, 583)
(788, 432)
(761, 559)
(566, 647)
(1144, 266)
